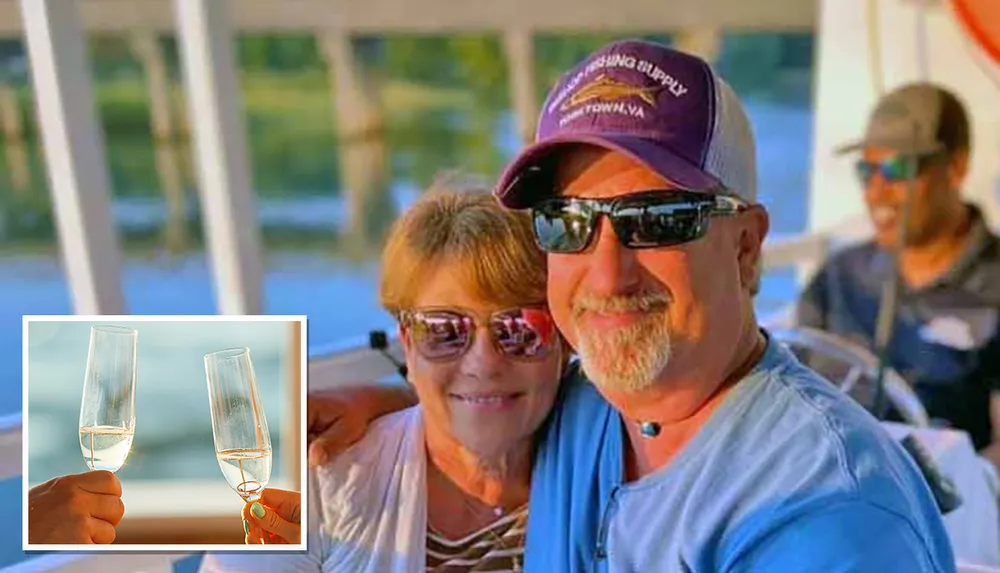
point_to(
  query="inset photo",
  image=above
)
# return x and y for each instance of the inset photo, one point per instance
(171, 433)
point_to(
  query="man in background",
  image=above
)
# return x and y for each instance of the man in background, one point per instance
(945, 341)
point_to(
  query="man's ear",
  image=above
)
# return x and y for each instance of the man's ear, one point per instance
(756, 224)
(958, 168)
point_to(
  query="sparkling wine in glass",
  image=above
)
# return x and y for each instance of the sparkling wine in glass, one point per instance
(242, 442)
(107, 413)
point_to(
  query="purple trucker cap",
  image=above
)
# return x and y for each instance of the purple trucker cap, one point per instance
(664, 108)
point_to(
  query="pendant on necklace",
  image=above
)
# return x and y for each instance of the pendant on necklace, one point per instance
(498, 511)
(649, 429)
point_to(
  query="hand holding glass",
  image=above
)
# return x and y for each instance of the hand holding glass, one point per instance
(242, 442)
(107, 413)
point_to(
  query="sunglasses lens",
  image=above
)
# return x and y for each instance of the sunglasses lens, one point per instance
(899, 169)
(659, 224)
(523, 333)
(563, 226)
(440, 335)
(865, 170)
(902, 168)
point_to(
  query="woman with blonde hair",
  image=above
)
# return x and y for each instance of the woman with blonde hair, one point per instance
(443, 486)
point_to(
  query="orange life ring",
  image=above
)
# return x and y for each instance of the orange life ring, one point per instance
(981, 21)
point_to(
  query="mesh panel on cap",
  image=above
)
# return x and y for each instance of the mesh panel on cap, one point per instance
(732, 155)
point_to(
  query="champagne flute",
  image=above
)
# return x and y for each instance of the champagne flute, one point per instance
(242, 442)
(107, 412)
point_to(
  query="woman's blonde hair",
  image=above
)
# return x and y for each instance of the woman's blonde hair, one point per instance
(463, 225)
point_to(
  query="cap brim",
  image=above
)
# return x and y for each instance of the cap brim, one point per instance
(899, 146)
(849, 148)
(515, 191)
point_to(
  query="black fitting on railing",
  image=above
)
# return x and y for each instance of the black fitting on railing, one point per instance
(378, 340)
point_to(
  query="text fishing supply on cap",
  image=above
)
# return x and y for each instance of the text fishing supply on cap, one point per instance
(661, 107)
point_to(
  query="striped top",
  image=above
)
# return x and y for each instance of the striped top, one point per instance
(498, 547)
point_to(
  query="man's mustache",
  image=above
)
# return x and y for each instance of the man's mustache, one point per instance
(641, 302)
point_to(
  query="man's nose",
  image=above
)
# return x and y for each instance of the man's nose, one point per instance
(613, 268)
(877, 188)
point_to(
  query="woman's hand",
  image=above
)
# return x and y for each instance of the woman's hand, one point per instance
(274, 519)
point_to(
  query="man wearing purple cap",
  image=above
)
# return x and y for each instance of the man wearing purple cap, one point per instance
(734, 457)
(702, 445)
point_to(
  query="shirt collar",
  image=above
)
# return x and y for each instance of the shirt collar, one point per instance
(980, 237)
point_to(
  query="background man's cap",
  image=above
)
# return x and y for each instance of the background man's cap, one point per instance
(664, 108)
(907, 120)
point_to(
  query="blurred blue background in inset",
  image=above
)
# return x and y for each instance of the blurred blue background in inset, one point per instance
(173, 427)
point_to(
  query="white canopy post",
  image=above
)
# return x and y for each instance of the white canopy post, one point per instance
(73, 147)
(224, 182)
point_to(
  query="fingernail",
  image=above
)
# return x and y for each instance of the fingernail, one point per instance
(257, 509)
(246, 527)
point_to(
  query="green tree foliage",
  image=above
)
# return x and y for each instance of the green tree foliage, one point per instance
(279, 54)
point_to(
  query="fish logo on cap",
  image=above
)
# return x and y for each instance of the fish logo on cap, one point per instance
(607, 89)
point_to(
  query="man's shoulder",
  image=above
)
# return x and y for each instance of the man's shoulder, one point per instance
(814, 424)
(788, 448)
(818, 449)
(985, 272)
(849, 272)
(840, 527)
(850, 259)
(817, 405)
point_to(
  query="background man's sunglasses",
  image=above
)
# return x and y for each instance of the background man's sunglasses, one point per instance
(895, 169)
(441, 334)
(656, 218)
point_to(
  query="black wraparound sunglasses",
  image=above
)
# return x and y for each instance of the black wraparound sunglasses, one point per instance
(648, 219)
(899, 168)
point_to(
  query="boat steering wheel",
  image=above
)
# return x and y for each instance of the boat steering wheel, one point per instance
(853, 369)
